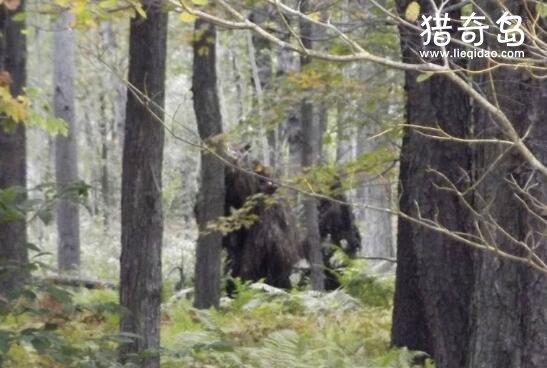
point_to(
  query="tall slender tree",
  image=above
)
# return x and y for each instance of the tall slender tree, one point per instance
(13, 238)
(376, 191)
(261, 77)
(311, 153)
(141, 209)
(210, 204)
(66, 147)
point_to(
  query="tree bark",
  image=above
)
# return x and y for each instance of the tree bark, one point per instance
(311, 153)
(210, 203)
(434, 277)
(262, 75)
(66, 148)
(141, 210)
(104, 155)
(290, 130)
(510, 299)
(375, 190)
(13, 238)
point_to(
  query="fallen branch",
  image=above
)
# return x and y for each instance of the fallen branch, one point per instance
(78, 282)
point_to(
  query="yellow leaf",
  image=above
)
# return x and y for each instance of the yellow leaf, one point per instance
(16, 109)
(140, 10)
(200, 2)
(315, 16)
(412, 11)
(187, 17)
(423, 77)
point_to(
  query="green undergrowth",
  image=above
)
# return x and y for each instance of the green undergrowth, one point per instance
(261, 327)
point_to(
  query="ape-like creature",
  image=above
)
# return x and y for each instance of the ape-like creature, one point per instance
(337, 226)
(269, 247)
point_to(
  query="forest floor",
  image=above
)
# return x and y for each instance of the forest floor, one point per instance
(260, 327)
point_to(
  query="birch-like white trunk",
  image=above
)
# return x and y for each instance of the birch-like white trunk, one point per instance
(377, 234)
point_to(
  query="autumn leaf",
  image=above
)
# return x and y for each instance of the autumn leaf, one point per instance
(315, 16)
(5, 79)
(412, 11)
(187, 17)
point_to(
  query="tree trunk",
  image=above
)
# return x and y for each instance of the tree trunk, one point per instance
(262, 80)
(434, 274)
(374, 191)
(66, 148)
(290, 128)
(104, 155)
(510, 299)
(311, 143)
(13, 238)
(210, 203)
(141, 210)
(311, 135)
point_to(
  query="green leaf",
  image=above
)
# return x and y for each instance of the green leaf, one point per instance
(541, 9)
(45, 215)
(34, 247)
(423, 77)
(40, 343)
(5, 337)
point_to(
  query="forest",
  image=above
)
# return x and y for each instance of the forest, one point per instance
(273, 183)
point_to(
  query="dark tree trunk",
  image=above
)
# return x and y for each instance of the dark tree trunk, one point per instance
(510, 299)
(13, 238)
(311, 153)
(66, 151)
(142, 218)
(434, 273)
(210, 203)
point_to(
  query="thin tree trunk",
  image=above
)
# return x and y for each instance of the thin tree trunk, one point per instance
(66, 148)
(434, 277)
(295, 141)
(343, 141)
(13, 238)
(310, 156)
(210, 204)
(238, 84)
(375, 191)
(105, 177)
(289, 131)
(262, 74)
(141, 209)
(311, 153)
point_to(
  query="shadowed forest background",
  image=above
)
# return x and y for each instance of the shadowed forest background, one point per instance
(214, 183)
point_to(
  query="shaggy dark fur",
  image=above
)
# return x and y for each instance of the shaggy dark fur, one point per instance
(337, 226)
(269, 248)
